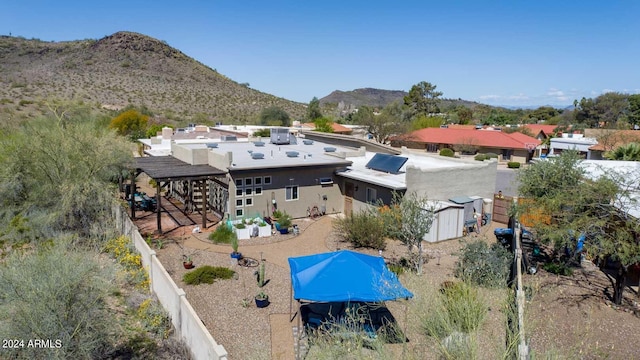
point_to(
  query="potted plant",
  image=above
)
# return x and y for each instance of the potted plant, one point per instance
(276, 215)
(234, 245)
(242, 231)
(284, 222)
(187, 262)
(264, 230)
(262, 299)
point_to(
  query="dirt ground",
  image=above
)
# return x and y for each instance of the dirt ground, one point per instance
(568, 317)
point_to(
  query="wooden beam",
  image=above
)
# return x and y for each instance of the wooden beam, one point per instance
(132, 195)
(203, 191)
(158, 208)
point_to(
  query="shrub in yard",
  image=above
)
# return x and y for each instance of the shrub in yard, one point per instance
(207, 275)
(480, 157)
(447, 152)
(558, 268)
(491, 155)
(513, 164)
(362, 229)
(57, 293)
(484, 265)
(465, 308)
(222, 235)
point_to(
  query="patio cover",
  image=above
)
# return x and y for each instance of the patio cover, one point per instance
(344, 276)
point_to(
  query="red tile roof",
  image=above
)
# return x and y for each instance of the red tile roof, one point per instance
(536, 128)
(337, 128)
(484, 138)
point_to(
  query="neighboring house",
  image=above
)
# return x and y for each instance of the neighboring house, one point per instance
(196, 134)
(511, 147)
(609, 140)
(337, 128)
(291, 173)
(577, 142)
(539, 131)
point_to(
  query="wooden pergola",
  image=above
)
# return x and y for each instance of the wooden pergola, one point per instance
(165, 169)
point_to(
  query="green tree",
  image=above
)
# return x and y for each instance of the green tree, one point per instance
(154, 129)
(626, 152)
(612, 108)
(313, 110)
(323, 124)
(424, 121)
(60, 179)
(634, 109)
(578, 205)
(423, 98)
(409, 219)
(274, 116)
(130, 123)
(465, 115)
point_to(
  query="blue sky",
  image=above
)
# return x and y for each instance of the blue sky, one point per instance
(515, 53)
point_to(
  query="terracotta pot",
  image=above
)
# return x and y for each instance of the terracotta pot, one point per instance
(188, 265)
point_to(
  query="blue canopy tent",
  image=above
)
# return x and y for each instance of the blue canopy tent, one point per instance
(344, 276)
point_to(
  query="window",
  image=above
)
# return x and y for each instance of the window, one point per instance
(248, 202)
(372, 195)
(257, 191)
(238, 202)
(239, 212)
(257, 181)
(248, 191)
(267, 180)
(239, 192)
(238, 182)
(291, 192)
(248, 181)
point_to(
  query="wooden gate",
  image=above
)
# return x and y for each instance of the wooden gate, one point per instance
(501, 205)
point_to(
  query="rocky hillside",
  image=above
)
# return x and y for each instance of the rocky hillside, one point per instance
(121, 69)
(378, 98)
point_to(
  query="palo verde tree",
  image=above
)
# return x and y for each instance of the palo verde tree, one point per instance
(579, 204)
(409, 219)
(58, 174)
(130, 123)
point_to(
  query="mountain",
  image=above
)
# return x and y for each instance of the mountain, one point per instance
(121, 69)
(366, 96)
(378, 98)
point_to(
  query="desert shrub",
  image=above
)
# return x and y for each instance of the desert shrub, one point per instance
(154, 318)
(513, 164)
(447, 152)
(464, 307)
(558, 268)
(56, 293)
(484, 265)
(396, 269)
(362, 229)
(265, 132)
(451, 316)
(480, 157)
(222, 235)
(207, 275)
(491, 155)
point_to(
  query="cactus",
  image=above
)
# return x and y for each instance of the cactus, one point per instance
(261, 271)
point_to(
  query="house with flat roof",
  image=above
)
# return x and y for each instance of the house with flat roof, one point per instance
(511, 147)
(294, 173)
(571, 141)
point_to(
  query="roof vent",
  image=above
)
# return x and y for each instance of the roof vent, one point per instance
(292, 153)
(229, 138)
(330, 149)
(212, 145)
(257, 155)
(307, 142)
(259, 143)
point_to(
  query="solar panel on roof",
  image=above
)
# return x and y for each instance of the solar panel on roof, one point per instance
(386, 163)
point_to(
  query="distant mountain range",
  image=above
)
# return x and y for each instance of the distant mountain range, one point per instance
(378, 98)
(121, 69)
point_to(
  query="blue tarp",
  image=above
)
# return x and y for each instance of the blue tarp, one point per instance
(344, 276)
